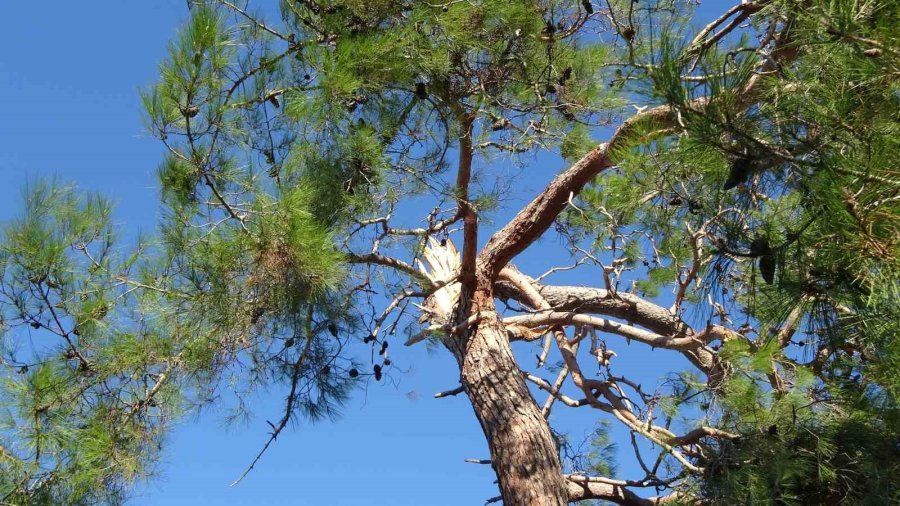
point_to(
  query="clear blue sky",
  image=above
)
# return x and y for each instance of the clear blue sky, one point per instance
(69, 79)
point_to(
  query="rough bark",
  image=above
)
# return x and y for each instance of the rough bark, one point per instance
(523, 452)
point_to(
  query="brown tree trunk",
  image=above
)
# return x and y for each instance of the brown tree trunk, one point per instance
(523, 452)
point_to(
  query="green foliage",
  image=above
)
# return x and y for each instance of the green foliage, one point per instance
(818, 182)
(831, 456)
(125, 342)
(292, 143)
(69, 431)
(576, 143)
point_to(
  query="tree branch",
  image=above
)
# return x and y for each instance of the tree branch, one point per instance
(539, 214)
(584, 299)
(573, 318)
(375, 258)
(547, 387)
(582, 488)
(448, 393)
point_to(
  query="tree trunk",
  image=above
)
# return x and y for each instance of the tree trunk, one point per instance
(523, 451)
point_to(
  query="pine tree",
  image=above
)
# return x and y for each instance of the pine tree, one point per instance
(733, 187)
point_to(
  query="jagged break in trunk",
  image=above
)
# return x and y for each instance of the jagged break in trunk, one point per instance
(523, 452)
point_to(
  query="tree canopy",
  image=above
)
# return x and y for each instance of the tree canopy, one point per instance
(331, 184)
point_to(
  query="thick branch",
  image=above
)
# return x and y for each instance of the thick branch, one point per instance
(536, 217)
(699, 433)
(470, 219)
(584, 299)
(622, 305)
(583, 488)
(573, 318)
(592, 388)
